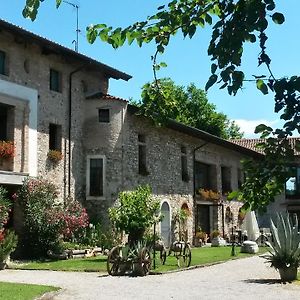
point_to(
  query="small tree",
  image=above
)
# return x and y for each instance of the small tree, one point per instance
(134, 213)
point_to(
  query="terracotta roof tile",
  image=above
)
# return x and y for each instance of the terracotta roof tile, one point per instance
(98, 95)
(251, 143)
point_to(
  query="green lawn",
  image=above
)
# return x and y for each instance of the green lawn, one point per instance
(200, 256)
(18, 291)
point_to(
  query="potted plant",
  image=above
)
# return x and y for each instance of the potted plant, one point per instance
(285, 246)
(7, 152)
(7, 149)
(55, 155)
(216, 239)
(201, 238)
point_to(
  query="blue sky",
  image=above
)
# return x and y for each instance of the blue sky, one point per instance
(186, 59)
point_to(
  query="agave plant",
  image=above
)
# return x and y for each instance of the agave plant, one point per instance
(285, 243)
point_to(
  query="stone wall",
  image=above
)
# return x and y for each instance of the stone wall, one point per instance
(29, 65)
(118, 142)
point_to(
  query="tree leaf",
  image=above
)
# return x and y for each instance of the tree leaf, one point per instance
(262, 86)
(278, 18)
(58, 3)
(213, 68)
(233, 195)
(211, 81)
(262, 127)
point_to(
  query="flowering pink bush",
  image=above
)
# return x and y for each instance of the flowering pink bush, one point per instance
(46, 220)
(5, 208)
(8, 239)
(73, 218)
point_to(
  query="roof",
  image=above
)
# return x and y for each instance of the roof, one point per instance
(251, 144)
(98, 95)
(207, 137)
(52, 47)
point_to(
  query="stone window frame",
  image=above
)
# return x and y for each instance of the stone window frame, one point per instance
(30, 97)
(88, 160)
(55, 80)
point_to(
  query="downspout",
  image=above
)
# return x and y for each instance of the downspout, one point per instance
(194, 182)
(69, 136)
(122, 138)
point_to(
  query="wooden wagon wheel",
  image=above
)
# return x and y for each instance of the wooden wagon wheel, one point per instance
(184, 260)
(113, 261)
(144, 261)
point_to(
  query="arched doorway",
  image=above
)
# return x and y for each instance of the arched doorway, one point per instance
(165, 224)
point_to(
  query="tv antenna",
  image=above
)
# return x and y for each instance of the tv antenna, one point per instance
(77, 27)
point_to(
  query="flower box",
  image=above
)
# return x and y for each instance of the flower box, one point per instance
(55, 155)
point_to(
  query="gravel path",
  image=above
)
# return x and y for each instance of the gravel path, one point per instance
(248, 278)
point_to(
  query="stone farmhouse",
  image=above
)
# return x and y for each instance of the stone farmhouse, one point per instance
(290, 199)
(55, 100)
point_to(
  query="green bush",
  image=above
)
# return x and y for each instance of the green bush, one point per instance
(134, 213)
(8, 244)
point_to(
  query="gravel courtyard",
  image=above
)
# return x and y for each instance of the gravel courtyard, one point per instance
(248, 278)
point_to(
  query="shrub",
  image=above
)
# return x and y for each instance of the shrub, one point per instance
(285, 243)
(46, 221)
(7, 244)
(5, 206)
(8, 239)
(134, 212)
(74, 217)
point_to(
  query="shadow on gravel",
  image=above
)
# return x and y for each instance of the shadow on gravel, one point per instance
(263, 281)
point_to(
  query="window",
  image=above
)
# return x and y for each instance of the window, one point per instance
(292, 186)
(103, 115)
(184, 169)
(2, 62)
(3, 123)
(142, 155)
(55, 81)
(226, 179)
(95, 176)
(202, 178)
(55, 136)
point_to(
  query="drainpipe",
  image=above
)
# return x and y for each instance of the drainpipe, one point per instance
(194, 181)
(69, 136)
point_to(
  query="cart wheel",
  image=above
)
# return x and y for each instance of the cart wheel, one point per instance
(163, 256)
(145, 261)
(184, 260)
(113, 261)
